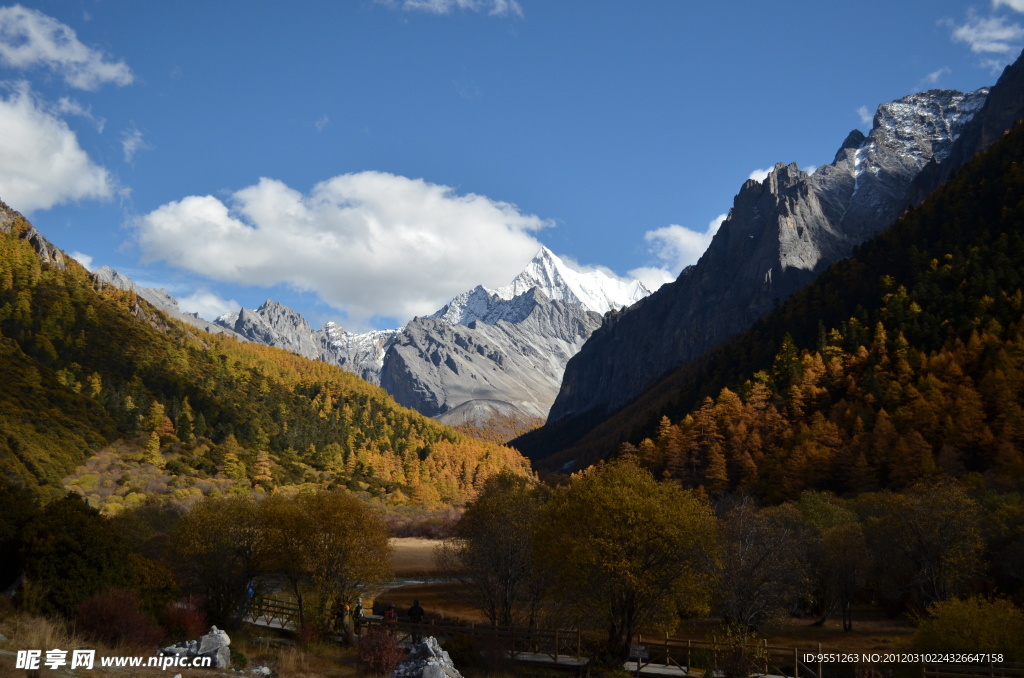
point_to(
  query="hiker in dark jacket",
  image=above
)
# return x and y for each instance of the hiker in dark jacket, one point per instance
(416, 617)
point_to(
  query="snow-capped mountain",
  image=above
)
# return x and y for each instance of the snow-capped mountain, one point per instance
(459, 372)
(485, 352)
(594, 290)
(277, 325)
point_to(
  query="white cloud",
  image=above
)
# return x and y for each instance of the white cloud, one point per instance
(676, 246)
(652, 277)
(41, 163)
(321, 123)
(810, 169)
(1012, 4)
(132, 142)
(994, 66)
(207, 304)
(865, 115)
(30, 38)
(988, 35)
(82, 258)
(67, 106)
(760, 175)
(933, 77)
(368, 244)
(493, 7)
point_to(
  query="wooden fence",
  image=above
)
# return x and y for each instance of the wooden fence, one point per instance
(565, 647)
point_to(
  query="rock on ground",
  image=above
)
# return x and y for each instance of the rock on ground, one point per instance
(426, 660)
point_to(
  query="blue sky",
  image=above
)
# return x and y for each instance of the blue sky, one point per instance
(364, 161)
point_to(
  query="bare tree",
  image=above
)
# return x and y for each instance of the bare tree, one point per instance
(762, 571)
(492, 550)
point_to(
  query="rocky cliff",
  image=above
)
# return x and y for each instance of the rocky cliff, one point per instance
(275, 324)
(509, 366)
(780, 234)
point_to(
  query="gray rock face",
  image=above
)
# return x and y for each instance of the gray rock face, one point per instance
(470, 372)
(159, 298)
(779, 235)
(359, 353)
(45, 250)
(1003, 108)
(275, 324)
(426, 660)
(213, 645)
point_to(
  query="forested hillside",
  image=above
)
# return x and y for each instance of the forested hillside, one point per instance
(86, 367)
(905, 360)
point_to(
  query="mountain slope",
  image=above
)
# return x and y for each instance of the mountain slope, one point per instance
(910, 362)
(897, 364)
(159, 298)
(780, 234)
(180, 412)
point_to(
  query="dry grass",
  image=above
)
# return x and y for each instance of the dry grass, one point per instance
(314, 661)
(24, 632)
(30, 632)
(413, 555)
(872, 631)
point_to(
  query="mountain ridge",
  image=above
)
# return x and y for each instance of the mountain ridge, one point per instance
(535, 324)
(780, 234)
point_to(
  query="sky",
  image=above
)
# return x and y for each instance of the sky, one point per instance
(364, 161)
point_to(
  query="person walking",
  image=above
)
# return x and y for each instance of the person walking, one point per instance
(357, 616)
(415, 615)
(391, 619)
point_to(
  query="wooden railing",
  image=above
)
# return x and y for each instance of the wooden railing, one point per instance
(687, 655)
(272, 612)
(565, 647)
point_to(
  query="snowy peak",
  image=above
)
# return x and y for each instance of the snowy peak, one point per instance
(925, 125)
(594, 290)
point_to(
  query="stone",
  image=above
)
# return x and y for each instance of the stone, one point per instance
(215, 644)
(426, 660)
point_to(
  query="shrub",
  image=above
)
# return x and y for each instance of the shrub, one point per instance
(308, 633)
(464, 652)
(115, 617)
(379, 651)
(972, 625)
(184, 622)
(239, 661)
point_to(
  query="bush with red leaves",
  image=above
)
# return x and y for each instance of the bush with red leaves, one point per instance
(184, 622)
(115, 617)
(380, 651)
